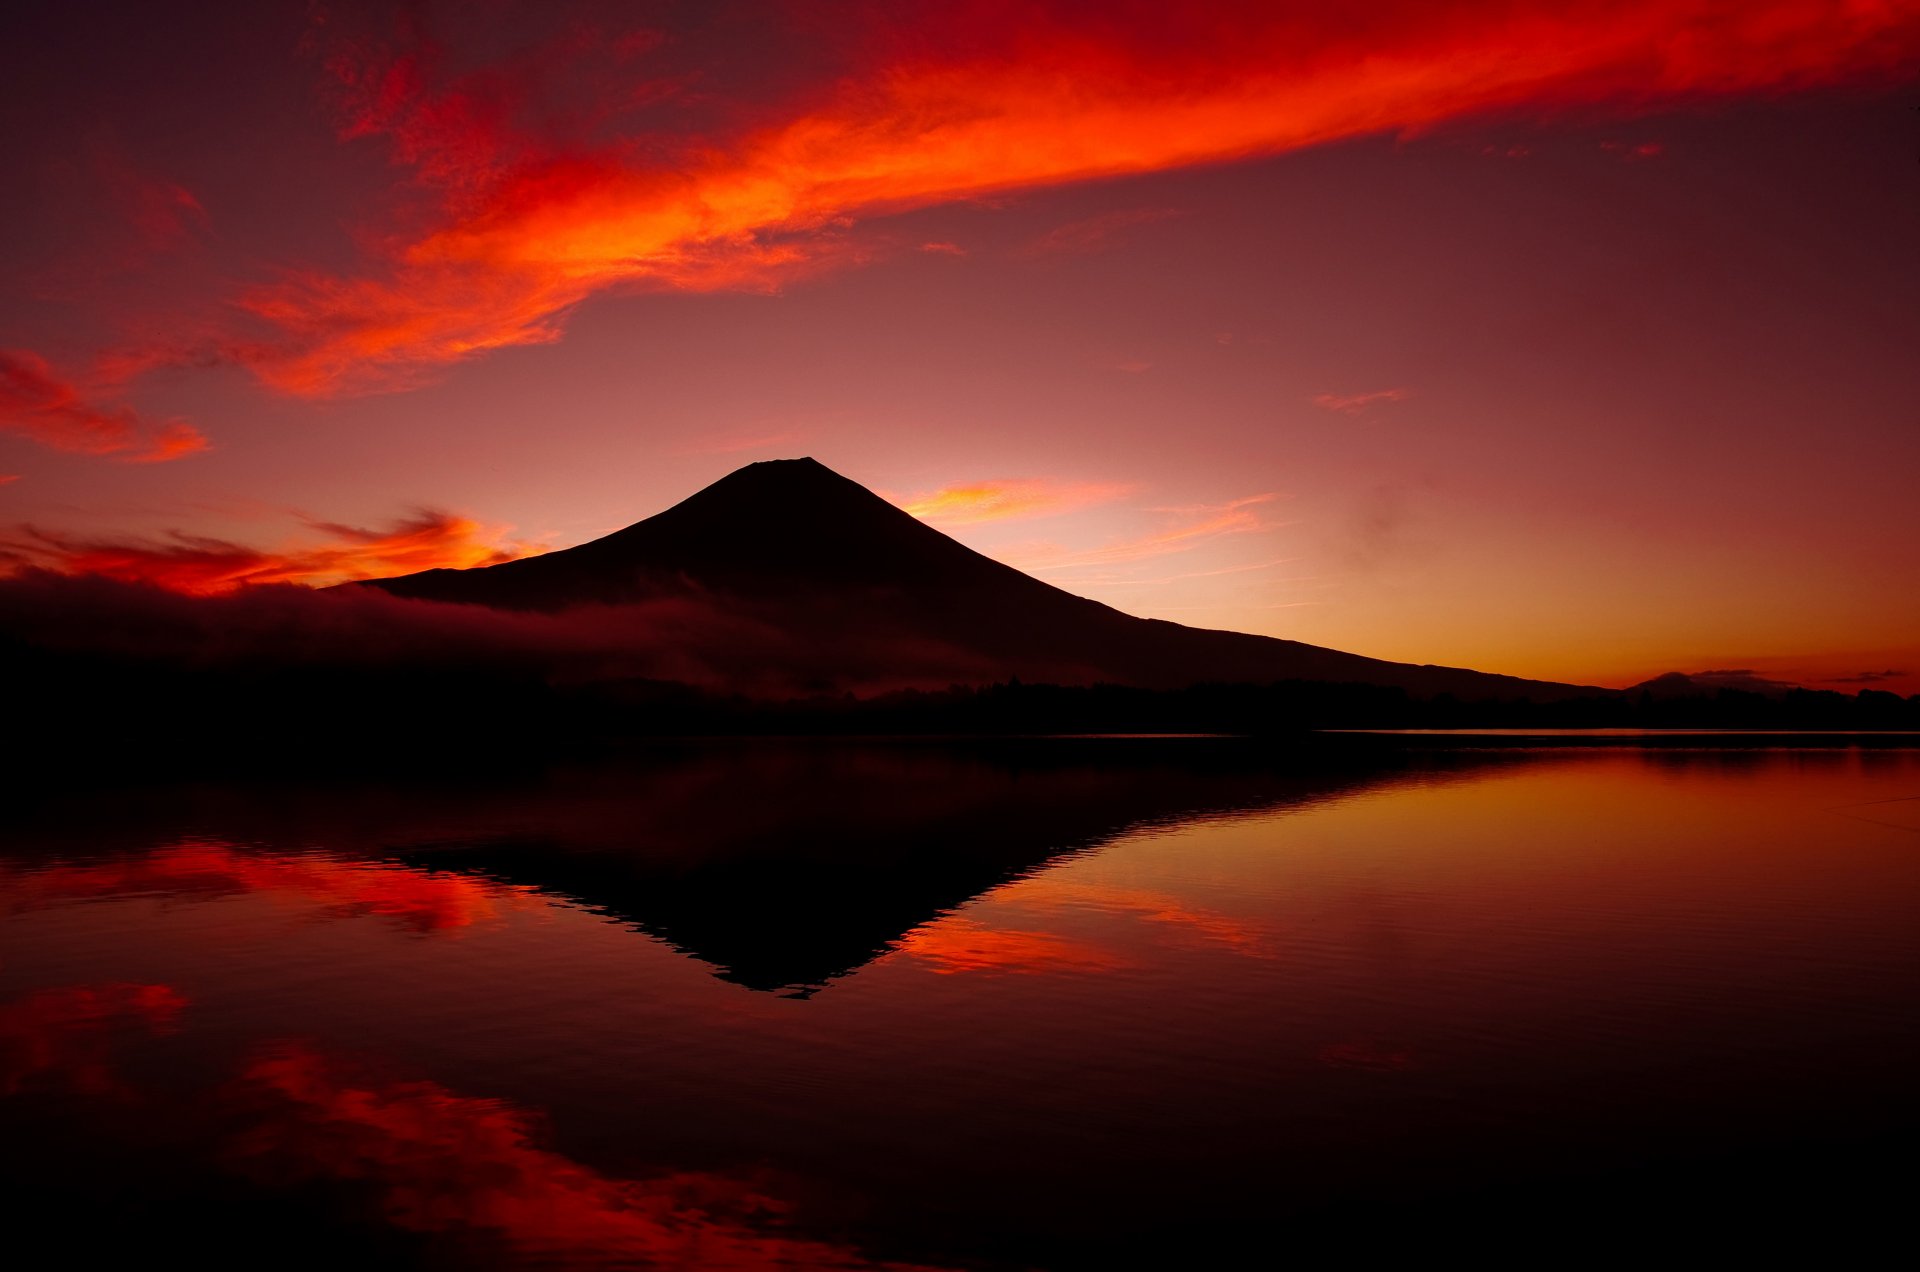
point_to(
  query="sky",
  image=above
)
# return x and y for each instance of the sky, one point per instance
(1574, 341)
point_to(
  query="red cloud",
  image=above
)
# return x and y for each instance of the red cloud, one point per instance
(524, 232)
(38, 404)
(202, 566)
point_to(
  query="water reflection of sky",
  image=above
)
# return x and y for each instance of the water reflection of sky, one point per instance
(1190, 991)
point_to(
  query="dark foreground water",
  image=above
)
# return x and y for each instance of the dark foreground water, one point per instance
(1071, 1004)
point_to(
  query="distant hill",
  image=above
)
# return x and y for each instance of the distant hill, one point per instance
(819, 557)
(1705, 684)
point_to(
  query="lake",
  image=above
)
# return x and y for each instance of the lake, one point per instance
(1068, 1003)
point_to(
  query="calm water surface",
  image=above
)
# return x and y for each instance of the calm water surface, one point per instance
(1058, 1005)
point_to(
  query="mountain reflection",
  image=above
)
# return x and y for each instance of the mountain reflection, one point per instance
(781, 867)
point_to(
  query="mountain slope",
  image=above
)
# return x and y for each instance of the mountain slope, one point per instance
(819, 556)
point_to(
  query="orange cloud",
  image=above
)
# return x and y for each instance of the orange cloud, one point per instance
(202, 566)
(37, 404)
(433, 1161)
(419, 900)
(1007, 499)
(1355, 403)
(524, 234)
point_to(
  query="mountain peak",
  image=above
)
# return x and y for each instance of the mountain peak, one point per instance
(803, 474)
(779, 500)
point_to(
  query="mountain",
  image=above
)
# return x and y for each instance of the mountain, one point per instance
(839, 571)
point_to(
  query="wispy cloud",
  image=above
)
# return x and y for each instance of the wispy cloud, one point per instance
(944, 248)
(1866, 677)
(1196, 524)
(201, 565)
(1006, 499)
(36, 403)
(1356, 403)
(1096, 233)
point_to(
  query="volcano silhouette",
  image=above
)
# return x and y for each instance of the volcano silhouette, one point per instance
(820, 556)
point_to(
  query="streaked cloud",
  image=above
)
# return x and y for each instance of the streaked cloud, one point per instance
(201, 565)
(1095, 233)
(1007, 499)
(1190, 527)
(1356, 403)
(36, 403)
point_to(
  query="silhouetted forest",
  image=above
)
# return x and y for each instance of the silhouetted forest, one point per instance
(73, 712)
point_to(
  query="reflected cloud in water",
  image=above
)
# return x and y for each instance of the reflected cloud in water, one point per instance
(63, 1038)
(439, 1162)
(414, 899)
(1122, 1000)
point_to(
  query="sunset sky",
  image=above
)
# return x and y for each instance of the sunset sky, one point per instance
(1575, 340)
